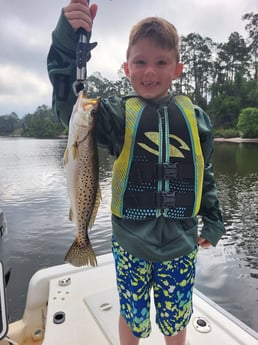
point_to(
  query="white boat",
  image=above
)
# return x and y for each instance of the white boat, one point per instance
(68, 306)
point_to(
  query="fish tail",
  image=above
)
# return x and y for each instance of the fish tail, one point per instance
(81, 255)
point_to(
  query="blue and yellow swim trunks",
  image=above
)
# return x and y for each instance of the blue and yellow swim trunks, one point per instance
(172, 283)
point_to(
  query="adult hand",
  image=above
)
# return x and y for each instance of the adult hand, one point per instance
(203, 242)
(80, 15)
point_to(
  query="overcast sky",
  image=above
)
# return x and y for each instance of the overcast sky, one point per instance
(25, 37)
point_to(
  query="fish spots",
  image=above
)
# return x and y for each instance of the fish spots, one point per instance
(82, 172)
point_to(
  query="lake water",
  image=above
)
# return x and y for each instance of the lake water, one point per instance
(33, 196)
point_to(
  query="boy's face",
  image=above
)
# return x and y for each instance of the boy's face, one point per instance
(151, 69)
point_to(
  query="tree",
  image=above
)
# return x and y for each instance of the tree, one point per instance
(41, 124)
(197, 58)
(98, 86)
(248, 123)
(224, 111)
(251, 27)
(9, 123)
(233, 58)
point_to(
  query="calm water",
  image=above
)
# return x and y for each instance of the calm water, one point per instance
(33, 196)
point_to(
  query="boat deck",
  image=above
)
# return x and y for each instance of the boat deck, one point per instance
(82, 308)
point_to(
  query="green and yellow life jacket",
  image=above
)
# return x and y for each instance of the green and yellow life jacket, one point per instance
(160, 168)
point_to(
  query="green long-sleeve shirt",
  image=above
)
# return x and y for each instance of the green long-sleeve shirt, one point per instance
(156, 239)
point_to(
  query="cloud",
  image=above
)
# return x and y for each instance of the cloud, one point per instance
(25, 37)
(25, 91)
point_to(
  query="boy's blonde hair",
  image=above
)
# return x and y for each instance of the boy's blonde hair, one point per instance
(157, 29)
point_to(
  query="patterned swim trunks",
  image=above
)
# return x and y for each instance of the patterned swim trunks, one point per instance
(172, 283)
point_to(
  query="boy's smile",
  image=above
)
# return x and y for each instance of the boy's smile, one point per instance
(151, 69)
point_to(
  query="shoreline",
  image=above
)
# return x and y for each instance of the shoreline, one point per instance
(217, 139)
(237, 140)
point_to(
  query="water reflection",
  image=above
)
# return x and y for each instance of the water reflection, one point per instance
(106, 164)
(229, 272)
(236, 159)
(29, 168)
(237, 179)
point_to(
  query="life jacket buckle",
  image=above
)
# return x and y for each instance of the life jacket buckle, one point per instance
(167, 171)
(165, 200)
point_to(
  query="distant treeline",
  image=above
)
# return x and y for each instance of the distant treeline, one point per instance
(222, 78)
(40, 124)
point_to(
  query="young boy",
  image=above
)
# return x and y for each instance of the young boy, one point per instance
(162, 175)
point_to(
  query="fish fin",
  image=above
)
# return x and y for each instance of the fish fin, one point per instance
(81, 255)
(75, 150)
(95, 208)
(66, 155)
(71, 214)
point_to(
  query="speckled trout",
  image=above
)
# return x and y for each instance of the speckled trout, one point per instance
(82, 171)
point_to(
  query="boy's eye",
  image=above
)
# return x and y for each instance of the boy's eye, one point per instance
(162, 62)
(140, 62)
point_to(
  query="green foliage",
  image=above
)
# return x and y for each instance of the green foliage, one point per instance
(252, 40)
(99, 86)
(229, 98)
(224, 111)
(9, 123)
(233, 57)
(249, 93)
(226, 133)
(248, 123)
(196, 54)
(40, 124)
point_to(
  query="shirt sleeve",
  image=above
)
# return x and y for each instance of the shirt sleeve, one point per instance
(210, 209)
(61, 64)
(111, 125)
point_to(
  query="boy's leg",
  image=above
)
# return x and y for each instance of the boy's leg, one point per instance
(133, 283)
(125, 334)
(127, 337)
(173, 290)
(178, 339)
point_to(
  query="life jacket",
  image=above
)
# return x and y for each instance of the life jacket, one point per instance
(160, 168)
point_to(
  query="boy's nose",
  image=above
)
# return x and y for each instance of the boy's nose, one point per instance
(150, 69)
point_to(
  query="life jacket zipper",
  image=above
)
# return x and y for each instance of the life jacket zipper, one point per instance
(164, 150)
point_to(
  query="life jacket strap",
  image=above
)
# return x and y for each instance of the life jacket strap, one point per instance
(159, 200)
(161, 171)
(173, 199)
(170, 171)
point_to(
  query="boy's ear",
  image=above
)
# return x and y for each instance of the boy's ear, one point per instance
(126, 70)
(178, 71)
